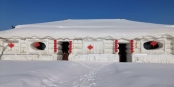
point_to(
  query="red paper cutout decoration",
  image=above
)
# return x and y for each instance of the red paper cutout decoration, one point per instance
(37, 44)
(132, 45)
(11, 45)
(70, 46)
(153, 43)
(90, 47)
(55, 46)
(116, 46)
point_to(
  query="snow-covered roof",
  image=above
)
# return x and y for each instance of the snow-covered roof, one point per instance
(96, 28)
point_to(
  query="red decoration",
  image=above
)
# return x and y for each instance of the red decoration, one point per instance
(131, 41)
(55, 50)
(132, 46)
(70, 46)
(11, 45)
(37, 44)
(90, 47)
(153, 43)
(116, 45)
(55, 46)
(55, 41)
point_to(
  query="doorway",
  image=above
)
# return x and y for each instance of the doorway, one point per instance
(122, 52)
(65, 49)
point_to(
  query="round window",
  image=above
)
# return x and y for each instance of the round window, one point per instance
(38, 45)
(152, 45)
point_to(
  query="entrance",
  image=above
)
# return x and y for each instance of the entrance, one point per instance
(65, 49)
(122, 52)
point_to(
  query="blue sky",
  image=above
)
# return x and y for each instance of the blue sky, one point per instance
(17, 12)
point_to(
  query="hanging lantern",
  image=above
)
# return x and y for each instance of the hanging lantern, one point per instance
(70, 46)
(55, 50)
(116, 46)
(132, 46)
(55, 46)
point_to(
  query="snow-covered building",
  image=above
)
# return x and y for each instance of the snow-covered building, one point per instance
(117, 40)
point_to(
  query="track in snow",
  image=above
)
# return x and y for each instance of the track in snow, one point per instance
(89, 79)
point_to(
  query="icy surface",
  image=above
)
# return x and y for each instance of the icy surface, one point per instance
(95, 28)
(84, 74)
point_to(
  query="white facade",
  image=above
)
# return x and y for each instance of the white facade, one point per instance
(88, 47)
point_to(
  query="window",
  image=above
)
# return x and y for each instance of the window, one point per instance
(38, 45)
(150, 45)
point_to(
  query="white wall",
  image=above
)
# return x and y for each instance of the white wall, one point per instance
(14, 50)
(108, 46)
(168, 46)
(165, 58)
(77, 47)
(95, 57)
(1, 46)
(173, 46)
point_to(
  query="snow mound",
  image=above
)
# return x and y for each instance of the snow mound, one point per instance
(95, 28)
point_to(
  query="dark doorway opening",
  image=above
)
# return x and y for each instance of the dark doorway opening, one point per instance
(65, 49)
(122, 52)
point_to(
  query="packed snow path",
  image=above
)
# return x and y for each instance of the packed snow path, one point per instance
(84, 74)
(90, 79)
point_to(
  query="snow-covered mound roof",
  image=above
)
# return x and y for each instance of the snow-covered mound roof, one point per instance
(96, 28)
(171, 26)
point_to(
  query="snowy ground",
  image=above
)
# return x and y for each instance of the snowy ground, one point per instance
(84, 74)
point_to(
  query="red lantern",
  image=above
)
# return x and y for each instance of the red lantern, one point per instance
(55, 50)
(132, 46)
(131, 41)
(55, 46)
(55, 41)
(70, 46)
(116, 45)
(132, 51)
